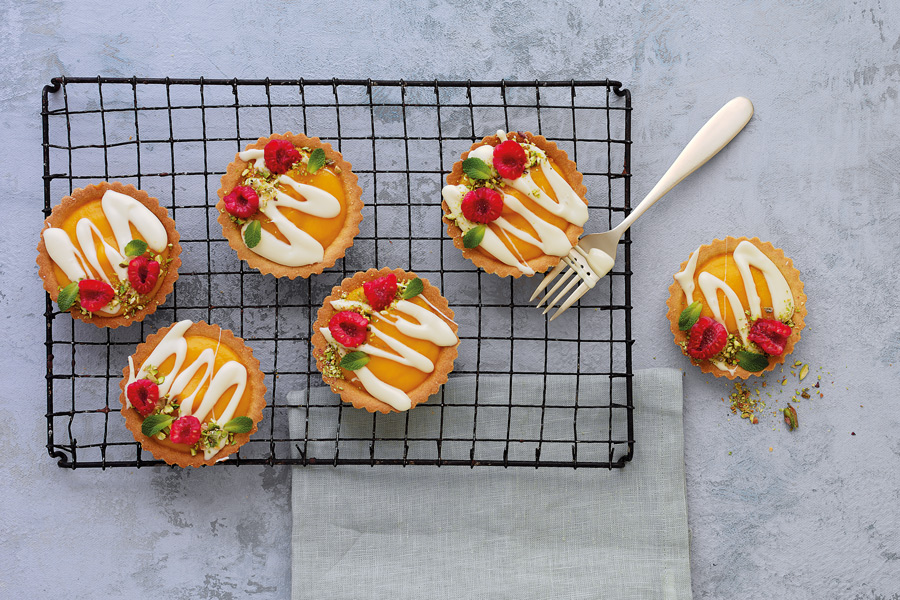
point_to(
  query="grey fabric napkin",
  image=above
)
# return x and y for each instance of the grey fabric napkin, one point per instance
(517, 533)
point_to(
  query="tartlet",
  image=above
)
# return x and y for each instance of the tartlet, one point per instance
(762, 321)
(309, 211)
(170, 380)
(362, 352)
(111, 279)
(539, 206)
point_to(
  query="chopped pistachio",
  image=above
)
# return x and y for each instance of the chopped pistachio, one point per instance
(790, 417)
(332, 359)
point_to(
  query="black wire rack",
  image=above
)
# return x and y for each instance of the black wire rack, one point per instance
(525, 392)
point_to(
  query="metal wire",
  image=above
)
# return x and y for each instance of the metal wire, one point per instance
(403, 137)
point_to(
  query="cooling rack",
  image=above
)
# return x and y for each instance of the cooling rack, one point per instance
(174, 138)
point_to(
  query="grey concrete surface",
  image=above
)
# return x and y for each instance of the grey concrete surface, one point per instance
(809, 514)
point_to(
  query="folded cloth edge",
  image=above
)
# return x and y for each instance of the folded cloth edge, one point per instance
(656, 392)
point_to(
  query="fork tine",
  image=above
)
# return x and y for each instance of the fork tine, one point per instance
(562, 280)
(561, 294)
(547, 279)
(578, 293)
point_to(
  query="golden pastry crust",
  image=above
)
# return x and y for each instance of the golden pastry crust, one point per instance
(676, 302)
(359, 398)
(94, 192)
(255, 387)
(542, 263)
(334, 251)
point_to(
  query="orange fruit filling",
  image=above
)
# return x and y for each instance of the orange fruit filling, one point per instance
(724, 268)
(398, 375)
(324, 230)
(195, 345)
(93, 211)
(516, 245)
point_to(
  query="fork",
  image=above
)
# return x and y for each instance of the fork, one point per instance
(594, 255)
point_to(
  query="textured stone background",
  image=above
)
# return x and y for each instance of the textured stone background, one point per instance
(816, 172)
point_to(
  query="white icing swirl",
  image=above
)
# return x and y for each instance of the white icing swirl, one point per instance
(82, 262)
(426, 326)
(229, 375)
(301, 248)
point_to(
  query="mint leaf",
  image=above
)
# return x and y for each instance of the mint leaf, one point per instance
(155, 423)
(751, 361)
(135, 248)
(354, 361)
(253, 233)
(239, 425)
(475, 168)
(690, 315)
(413, 288)
(316, 161)
(67, 296)
(473, 237)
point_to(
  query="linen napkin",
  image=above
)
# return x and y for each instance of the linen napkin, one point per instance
(489, 532)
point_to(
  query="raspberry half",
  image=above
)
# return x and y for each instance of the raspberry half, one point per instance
(349, 328)
(482, 205)
(185, 430)
(94, 294)
(143, 274)
(770, 334)
(280, 156)
(381, 292)
(143, 395)
(510, 159)
(242, 202)
(707, 338)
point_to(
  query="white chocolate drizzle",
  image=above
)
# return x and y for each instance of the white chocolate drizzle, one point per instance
(724, 366)
(82, 262)
(710, 285)
(301, 248)
(229, 375)
(551, 240)
(745, 255)
(426, 325)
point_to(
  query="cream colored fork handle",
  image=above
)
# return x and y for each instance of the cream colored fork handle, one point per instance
(711, 138)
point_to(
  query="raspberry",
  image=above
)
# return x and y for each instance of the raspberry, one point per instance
(707, 338)
(94, 294)
(510, 159)
(143, 274)
(380, 292)
(280, 156)
(242, 202)
(769, 334)
(349, 328)
(143, 395)
(482, 205)
(185, 430)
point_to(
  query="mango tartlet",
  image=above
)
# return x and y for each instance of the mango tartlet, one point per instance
(385, 340)
(737, 307)
(514, 204)
(109, 254)
(195, 396)
(289, 205)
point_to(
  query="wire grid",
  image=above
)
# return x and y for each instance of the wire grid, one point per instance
(174, 138)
